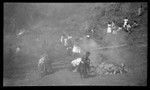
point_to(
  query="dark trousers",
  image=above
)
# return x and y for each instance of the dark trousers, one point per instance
(83, 70)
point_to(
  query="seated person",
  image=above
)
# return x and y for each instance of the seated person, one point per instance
(45, 66)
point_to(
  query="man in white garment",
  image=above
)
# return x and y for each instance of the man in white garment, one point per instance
(109, 28)
(125, 22)
(127, 26)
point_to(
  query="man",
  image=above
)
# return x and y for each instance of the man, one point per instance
(84, 66)
(109, 28)
(125, 22)
(76, 49)
(127, 27)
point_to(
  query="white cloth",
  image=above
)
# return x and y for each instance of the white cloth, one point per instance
(128, 27)
(109, 28)
(17, 49)
(114, 32)
(125, 22)
(139, 11)
(76, 49)
(41, 60)
(76, 62)
(65, 42)
(61, 39)
(113, 26)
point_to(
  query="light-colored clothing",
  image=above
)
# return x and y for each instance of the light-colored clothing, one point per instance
(139, 11)
(41, 60)
(61, 39)
(114, 32)
(76, 49)
(109, 28)
(125, 23)
(128, 27)
(64, 39)
(76, 62)
(65, 42)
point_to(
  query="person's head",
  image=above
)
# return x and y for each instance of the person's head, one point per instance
(88, 54)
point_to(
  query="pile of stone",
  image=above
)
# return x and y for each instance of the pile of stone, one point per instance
(111, 69)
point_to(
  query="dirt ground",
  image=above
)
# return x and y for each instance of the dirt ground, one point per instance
(43, 25)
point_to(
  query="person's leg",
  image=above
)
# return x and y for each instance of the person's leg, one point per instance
(88, 70)
(84, 70)
(79, 70)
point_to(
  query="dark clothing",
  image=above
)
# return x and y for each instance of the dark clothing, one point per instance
(86, 60)
(81, 70)
(84, 67)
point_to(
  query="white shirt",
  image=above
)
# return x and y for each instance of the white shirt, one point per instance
(109, 28)
(65, 42)
(139, 11)
(76, 49)
(125, 22)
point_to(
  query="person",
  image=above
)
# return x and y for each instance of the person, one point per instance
(87, 63)
(109, 28)
(76, 49)
(84, 66)
(127, 27)
(125, 22)
(81, 69)
(45, 66)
